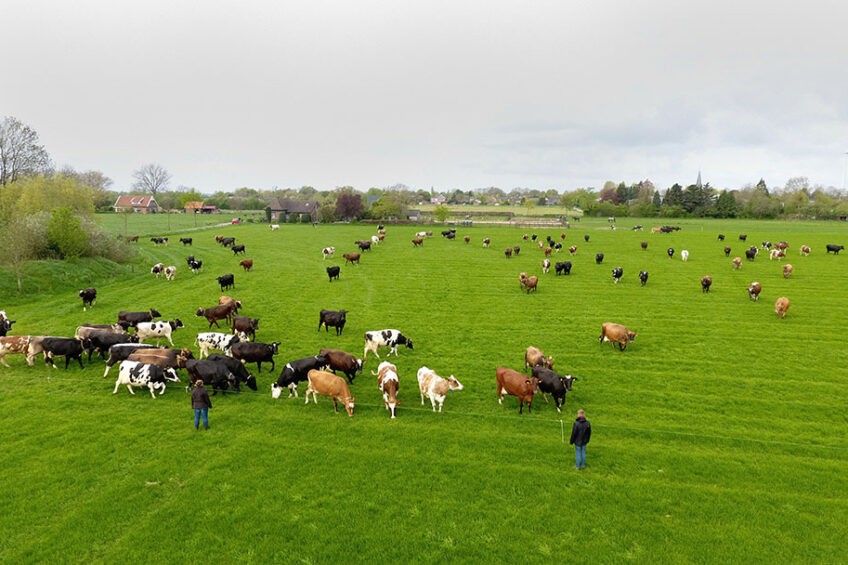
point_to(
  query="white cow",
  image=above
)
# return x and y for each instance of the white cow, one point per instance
(774, 254)
(148, 330)
(170, 272)
(275, 227)
(375, 240)
(684, 255)
(133, 373)
(421, 234)
(217, 341)
(435, 387)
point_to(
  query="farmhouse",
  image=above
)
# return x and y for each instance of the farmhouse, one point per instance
(283, 208)
(197, 207)
(137, 203)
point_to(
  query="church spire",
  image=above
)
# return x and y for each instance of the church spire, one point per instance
(698, 182)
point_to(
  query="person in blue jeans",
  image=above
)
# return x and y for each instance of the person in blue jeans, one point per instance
(581, 431)
(201, 403)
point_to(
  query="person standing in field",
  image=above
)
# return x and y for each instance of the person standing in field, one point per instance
(581, 431)
(201, 403)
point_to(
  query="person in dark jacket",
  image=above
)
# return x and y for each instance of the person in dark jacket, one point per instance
(581, 431)
(201, 403)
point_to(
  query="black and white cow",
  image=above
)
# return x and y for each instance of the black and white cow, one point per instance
(385, 338)
(226, 281)
(237, 368)
(643, 276)
(333, 272)
(89, 297)
(255, 353)
(295, 372)
(835, 249)
(217, 375)
(553, 384)
(215, 341)
(751, 253)
(68, 347)
(563, 267)
(149, 330)
(195, 266)
(670, 252)
(5, 325)
(133, 373)
(332, 318)
(616, 274)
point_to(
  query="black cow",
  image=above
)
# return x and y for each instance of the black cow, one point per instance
(131, 319)
(5, 326)
(742, 237)
(599, 258)
(255, 353)
(70, 347)
(102, 341)
(364, 245)
(227, 241)
(333, 272)
(211, 373)
(332, 318)
(643, 276)
(751, 253)
(563, 267)
(616, 274)
(227, 281)
(121, 352)
(834, 248)
(295, 372)
(670, 252)
(721, 237)
(185, 240)
(451, 235)
(586, 238)
(553, 384)
(89, 296)
(237, 368)
(238, 249)
(190, 260)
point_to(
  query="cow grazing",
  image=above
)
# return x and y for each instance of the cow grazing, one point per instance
(328, 384)
(170, 272)
(363, 245)
(533, 357)
(238, 370)
(15, 344)
(643, 276)
(121, 352)
(342, 361)
(247, 264)
(781, 306)
(637, 227)
(782, 246)
(159, 330)
(670, 252)
(573, 249)
(216, 313)
(132, 319)
(754, 290)
(516, 384)
(787, 271)
(255, 353)
(328, 252)
(89, 297)
(214, 374)
(774, 254)
(742, 237)
(684, 255)
(215, 341)
(805, 250)
(422, 234)
(352, 258)
(435, 387)
(132, 239)
(737, 262)
(185, 240)
(295, 372)
(726, 251)
(159, 240)
(195, 266)
(541, 244)
(274, 227)
(102, 341)
(656, 230)
(721, 237)
(227, 241)
(333, 272)
(486, 242)
(706, 283)
(835, 249)
(553, 384)
(329, 318)
(516, 250)
(546, 265)
(238, 249)
(586, 238)
(467, 239)
(548, 251)
(563, 267)
(417, 242)
(599, 258)
(157, 269)
(522, 280)
(162, 357)
(385, 338)
(388, 383)
(218, 238)
(616, 274)
(508, 252)
(616, 333)
(750, 254)
(644, 246)
(133, 373)
(245, 325)
(66, 347)
(226, 281)
(531, 284)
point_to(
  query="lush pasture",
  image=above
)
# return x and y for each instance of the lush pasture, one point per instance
(719, 435)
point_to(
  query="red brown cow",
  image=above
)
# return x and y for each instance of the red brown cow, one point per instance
(754, 290)
(220, 312)
(805, 250)
(516, 384)
(351, 258)
(572, 249)
(548, 251)
(387, 381)
(343, 361)
(781, 306)
(531, 284)
(418, 241)
(616, 333)
(467, 239)
(246, 263)
(508, 252)
(328, 384)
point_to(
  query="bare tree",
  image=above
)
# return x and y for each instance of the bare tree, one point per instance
(22, 241)
(151, 178)
(20, 153)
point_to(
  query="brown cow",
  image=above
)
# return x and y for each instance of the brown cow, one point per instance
(516, 250)
(562, 235)
(467, 239)
(517, 384)
(644, 246)
(246, 263)
(418, 241)
(228, 300)
(534, 356)
(387, 381)
(548, 251)
(706, 283)
(328, 384)
(787, 271)
(781, 306)
(805, 251)
(508, 252)
(86, 330)
(351, 258)
(737, 262)
(572, 249)
(616, 333)
(522, 279)
(163, 357)
(15, 344)
(220, 312)
(531, 283)
(754, 290)
(343, 361)
(726, 251)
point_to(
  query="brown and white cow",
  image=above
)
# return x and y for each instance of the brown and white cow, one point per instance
(754, 290)
(781, 306)
(534, 356)
(388, 383)
(805, 250)
(15, 344)
(516, 384)
(616, 333)
(435, 387)
(787, 271)
(328, 252)
(328, 384)
(572, 249)
(737, 262)
(486, 242)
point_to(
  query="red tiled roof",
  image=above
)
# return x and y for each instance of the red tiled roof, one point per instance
(133, 200)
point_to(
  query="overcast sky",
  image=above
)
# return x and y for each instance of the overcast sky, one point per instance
(443, 94)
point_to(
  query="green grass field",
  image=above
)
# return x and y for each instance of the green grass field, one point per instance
(718, 436)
